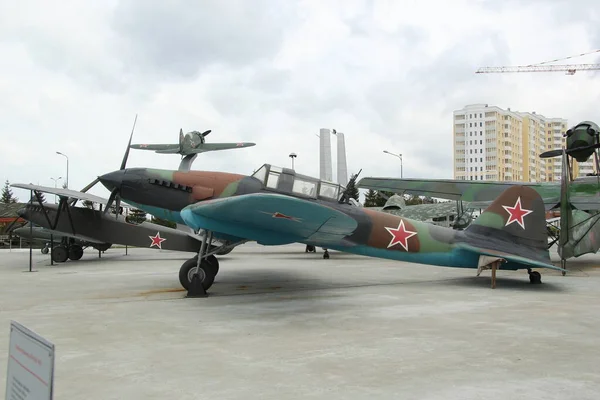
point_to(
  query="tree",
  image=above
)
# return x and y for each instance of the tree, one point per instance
(381, 200)
(41, 197)
(163, 222)
(353, 192)
(136, 216)
(371, 198)
(7, 194)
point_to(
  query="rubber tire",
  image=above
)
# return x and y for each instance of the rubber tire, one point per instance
(210, 271)
(75, 252)
(535, 277)
(60, 254)
(214, 262)
(45, 250)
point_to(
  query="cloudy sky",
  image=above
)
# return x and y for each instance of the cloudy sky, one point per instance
(387, 73)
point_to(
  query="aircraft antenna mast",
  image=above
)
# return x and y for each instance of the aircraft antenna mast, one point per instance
(569, 69)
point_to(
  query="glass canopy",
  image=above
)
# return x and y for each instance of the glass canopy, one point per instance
(287, 181)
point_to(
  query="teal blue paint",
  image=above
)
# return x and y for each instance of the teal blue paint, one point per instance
(169, 215)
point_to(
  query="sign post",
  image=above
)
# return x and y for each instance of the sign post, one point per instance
(30, 372)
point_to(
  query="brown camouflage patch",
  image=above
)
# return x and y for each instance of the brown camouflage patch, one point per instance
(390, 229)
(205, 181)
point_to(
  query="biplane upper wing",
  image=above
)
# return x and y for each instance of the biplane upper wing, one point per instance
(271, 219)
(454, 189)
(71, 194)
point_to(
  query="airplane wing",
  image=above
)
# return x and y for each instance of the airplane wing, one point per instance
(469, 191)
(159, 148)
(586, 203)
(72, 194)
(423, 212)
(204, 147)
(270, 219)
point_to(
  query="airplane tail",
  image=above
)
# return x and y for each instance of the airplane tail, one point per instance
(513, 227)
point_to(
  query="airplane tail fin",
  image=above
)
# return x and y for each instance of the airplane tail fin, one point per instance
(512, 227)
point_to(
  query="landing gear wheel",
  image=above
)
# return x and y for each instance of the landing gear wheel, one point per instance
(207, 272)
(326, 254)
(45, 250)
(75, 252)
(310, 249)
(214, 262)
(535, 277)
(60, 254)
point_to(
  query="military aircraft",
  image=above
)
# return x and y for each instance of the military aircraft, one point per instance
(190, 146)
(276, 206)
(99, 227)
(577, 199)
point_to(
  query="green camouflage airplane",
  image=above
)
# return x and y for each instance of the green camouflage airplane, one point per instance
(189, 146)
(578, 199)
(277, 206)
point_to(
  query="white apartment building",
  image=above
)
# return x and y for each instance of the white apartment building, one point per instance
(491, 143)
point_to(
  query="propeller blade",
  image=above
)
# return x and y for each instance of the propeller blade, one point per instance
(551, 153)
(181, 137)
(124, 162)
(206, 132)
(90, 185)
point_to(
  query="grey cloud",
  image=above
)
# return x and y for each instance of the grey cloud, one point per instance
(179, 38)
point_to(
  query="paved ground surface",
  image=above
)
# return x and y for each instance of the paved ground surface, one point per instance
(281, 324)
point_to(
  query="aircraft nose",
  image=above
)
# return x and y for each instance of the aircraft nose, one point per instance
(113, 179)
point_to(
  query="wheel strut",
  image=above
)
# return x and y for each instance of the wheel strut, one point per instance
(196, 289)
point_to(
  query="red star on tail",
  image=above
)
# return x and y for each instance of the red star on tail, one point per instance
(400, 235)
(517, 213)
(157, 240)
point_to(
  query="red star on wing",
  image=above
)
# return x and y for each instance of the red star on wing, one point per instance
(157, 240)
(517, 213)
(400, 235)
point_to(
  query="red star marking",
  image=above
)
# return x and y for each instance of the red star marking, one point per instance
(400, 235)
(240, 145)
(517, 213)
(157, 240)
(277, 214)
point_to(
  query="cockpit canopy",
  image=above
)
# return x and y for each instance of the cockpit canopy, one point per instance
(286, 180)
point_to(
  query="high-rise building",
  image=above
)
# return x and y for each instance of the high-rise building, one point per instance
(491, 143)
(325, 159)
(325, 172)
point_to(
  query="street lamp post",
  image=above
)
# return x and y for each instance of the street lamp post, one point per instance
(400, 157)
(67, 180)
(292, 156)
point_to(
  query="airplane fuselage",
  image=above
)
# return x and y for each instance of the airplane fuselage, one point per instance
(166, 194)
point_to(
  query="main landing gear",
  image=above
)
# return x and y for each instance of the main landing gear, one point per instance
(197, 274)
(534, 276)
(66, 251)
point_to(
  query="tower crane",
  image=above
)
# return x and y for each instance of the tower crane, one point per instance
(569, 69)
